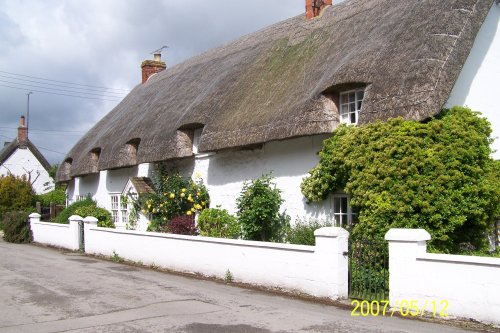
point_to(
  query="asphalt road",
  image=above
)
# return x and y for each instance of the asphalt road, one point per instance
(47, 290)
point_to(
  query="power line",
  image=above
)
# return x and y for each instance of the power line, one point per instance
(53, 93)
(120, 94)
(76, 84)
(57, 89)
(41, 130)
(47, 149)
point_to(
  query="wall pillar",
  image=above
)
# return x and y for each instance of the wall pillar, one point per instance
(331, 255)
(404, 247)
(74, 227)
(34, 217)
(89, 222)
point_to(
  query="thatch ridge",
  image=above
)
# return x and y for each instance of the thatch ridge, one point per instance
(269, 85)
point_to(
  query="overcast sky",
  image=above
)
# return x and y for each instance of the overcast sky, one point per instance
(101, 44)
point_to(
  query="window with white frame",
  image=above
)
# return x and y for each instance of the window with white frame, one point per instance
(119, 209)
(342, 212)
(115, 204)
(350, 105)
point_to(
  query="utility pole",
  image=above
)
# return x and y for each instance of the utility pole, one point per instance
(28, 113)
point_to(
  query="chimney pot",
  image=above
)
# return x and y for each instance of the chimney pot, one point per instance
(21, 121)
(314, 7)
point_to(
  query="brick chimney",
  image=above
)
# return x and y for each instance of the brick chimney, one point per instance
(22, 132)
(150, 67)
(314, 7)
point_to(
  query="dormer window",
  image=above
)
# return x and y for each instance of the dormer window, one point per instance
(196, 139)
(350, 105)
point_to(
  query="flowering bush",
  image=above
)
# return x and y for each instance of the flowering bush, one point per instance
(183, 225)
(175, 196)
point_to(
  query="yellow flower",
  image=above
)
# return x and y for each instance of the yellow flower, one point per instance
(198, 193)
(203, 203)
(197, 175)
(183, 195)
(192, 209)
(172, 195)
(183, 190)
(188, 212)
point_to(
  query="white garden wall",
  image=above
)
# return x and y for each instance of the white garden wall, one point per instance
(319, 270)
(470, 285)
(478, 84)
(56, 234)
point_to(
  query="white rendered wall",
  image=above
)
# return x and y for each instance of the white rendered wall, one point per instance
(319, 270)
(100, 186)
(289, 160)
(55, 234)
(478, 85)
(22, 162)
(470, 285)
(224, 174)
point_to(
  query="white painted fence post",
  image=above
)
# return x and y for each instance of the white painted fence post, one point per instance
(74, 228)
(89, 222)
(331, 252)
(34, 217)
(404, 247)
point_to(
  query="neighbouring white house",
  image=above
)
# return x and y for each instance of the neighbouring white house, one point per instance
(266, 101)
(21, 158)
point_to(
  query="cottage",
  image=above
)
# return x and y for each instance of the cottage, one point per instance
(21, 158)
(266, 101)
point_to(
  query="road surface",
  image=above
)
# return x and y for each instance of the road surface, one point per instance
(48, 290)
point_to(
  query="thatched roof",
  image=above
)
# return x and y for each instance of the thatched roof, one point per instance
(271, 84)
(11, 148)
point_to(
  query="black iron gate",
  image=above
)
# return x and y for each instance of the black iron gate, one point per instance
(368, 270)
(82, 235)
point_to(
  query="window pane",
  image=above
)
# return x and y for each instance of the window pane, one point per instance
(353, 118)
(344, 205)
(360, 103)
(352, 97)
(352, 107)
(336, 205)
(360, 94)
(337, 220)
(344, 109)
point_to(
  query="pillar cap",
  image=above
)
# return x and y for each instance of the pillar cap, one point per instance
(90, 219)
(407, 235)
(35, 215)
(75, 218)
(330, 232)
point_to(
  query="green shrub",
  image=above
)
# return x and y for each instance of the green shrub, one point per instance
(102, 215)
(258, 210)
(57, 196)
(217, 222)
(16, 194)
(70, 210)
(16, 227)
(437, 175)
(302, 232)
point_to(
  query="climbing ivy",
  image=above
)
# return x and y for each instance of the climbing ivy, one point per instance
(436, 175)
